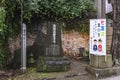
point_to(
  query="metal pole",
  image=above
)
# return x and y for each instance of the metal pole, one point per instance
(101, 11)
(99, 6)
(23, 42)
(103, 7)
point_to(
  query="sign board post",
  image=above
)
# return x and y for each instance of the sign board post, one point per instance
(23, 49)
(98, 37)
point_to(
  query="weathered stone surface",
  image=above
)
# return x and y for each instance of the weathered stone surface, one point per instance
(109, 37)
(106, 72)
(15, 63)
(53, 50)
(72, 41)
(53, 44)
(100, 61)
(39, 44)
(109, 31)
(48, 64)
(52, 58)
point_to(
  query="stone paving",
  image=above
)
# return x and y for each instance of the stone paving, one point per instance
(112, 78)
(77, 72)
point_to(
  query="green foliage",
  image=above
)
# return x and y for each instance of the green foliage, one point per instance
(12, 20)
(4, 30)
(2, 22)
(77, 25)
(4, 53)
(85, 53)
(1, 57)
(59, 9)
(49, 9)
(54, 10)
(2, 33)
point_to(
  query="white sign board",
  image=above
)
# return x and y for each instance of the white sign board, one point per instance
(109, 7)
(98, 36)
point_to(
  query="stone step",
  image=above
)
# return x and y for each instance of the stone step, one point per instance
(51, 64)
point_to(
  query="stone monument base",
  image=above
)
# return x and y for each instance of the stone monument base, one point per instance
(101, 67)
(101, 61)
(106, 72)
(52, 64)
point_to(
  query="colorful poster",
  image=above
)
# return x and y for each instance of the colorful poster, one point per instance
(98, 36)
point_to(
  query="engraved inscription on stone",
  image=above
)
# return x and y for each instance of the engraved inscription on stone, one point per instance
(54, 33)
(52, 41)
(54, 50)
(47, 51)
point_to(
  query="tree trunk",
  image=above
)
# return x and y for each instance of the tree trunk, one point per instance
(115, 47)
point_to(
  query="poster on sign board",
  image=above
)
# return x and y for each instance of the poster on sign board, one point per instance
(97, 36)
